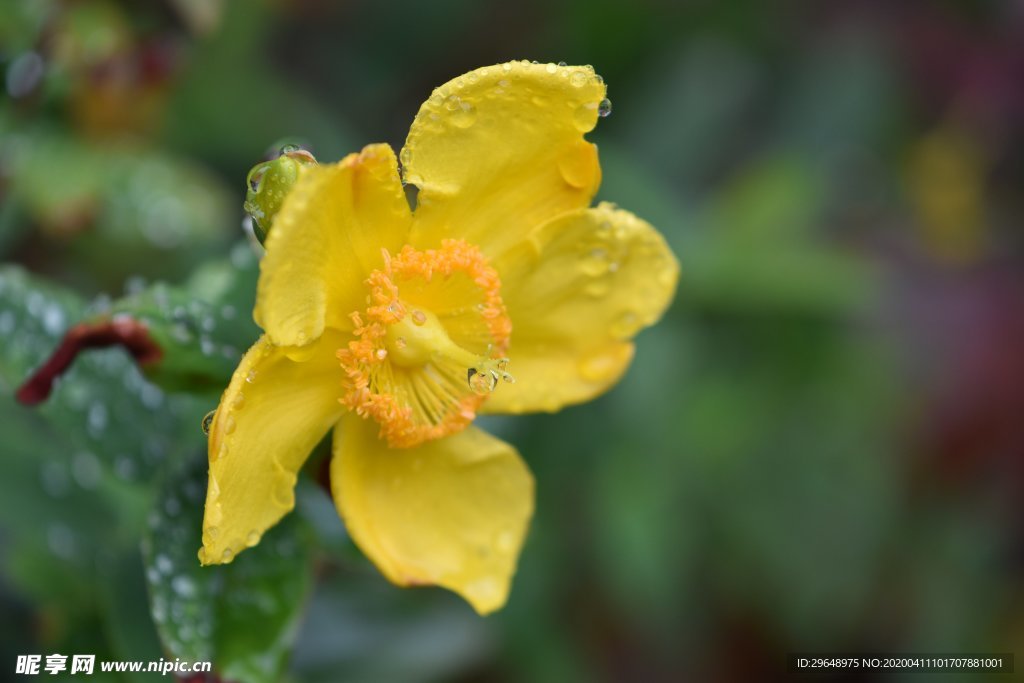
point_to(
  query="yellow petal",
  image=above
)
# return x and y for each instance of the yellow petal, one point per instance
(500, 150)
(577, 291)
(327, 237)
(274, 411)
(451, 512)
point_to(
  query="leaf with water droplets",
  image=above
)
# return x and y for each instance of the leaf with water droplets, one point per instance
(114, 426)
(241, 616)
(184, 338)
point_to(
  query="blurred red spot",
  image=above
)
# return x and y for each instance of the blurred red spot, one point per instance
(130, 334)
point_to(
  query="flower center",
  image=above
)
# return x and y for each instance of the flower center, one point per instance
(429, 346)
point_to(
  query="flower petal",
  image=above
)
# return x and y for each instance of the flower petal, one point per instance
(325, 240)
(577, 290)
(500, 150)
(451, 512)
(274, 411)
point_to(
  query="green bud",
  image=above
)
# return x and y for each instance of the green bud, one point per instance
(270, 182)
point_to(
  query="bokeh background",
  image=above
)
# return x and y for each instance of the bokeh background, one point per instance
(820, 448)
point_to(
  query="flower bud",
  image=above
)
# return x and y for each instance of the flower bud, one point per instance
(269, 183)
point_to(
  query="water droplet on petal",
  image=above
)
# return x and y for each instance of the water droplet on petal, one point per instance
(227, 554)
(585, 116)
(578, 165)
(381, 354)
(604, 108)
(208, 421)
(626, 325)
(595, 262)
(250, 377)
(578, 79)
(253, 538)
(551, 68)
(604, 364)
(481, 381)
(464, 116)
(483, 590)
(229, 424)
(419, 317)
(505, 542)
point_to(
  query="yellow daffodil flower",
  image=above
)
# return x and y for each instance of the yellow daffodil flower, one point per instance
(396, 327)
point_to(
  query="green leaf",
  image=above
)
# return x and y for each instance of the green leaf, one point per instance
(125, 605)
(202, 328)
(242, 616)
(109, 427)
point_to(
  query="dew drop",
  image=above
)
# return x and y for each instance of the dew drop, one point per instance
(578, 165)
(666, 276)
(183, 586)
(212, 531)
(626, 325)
(208, 421)
(602, 365)
(227, 554)
(238, 401)
(578, 79)
(483, 590)
(400, 343)
(229, 424)
(482, 382)
(585, 116)
(452, 103)
(381, 354)
(595, 263)
(551, 68)
(604, 108)
(253, 538)
(505, 542)
(284, 492)
(163, 564)
(250, 377)
(97, 419)
(419, 317)
(464, 116)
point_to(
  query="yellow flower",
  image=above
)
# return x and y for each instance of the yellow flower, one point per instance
(396, 327)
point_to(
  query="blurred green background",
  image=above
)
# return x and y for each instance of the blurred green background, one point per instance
(821, 447)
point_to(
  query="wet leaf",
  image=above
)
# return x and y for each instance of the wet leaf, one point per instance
(242, 616)
(105, 424)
